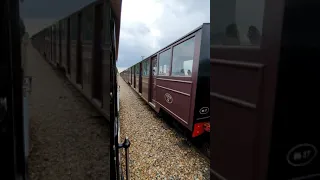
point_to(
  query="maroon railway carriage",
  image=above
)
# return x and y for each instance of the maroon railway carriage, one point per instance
(176, 80)
(263, 89)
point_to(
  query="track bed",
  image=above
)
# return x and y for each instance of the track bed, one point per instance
(157, 151)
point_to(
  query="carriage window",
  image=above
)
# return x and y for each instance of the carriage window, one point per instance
(53, 32)
(182, 60)
(137, 69)
(73, 27)
(146, 68)
(236, 22)
(65, 22)
(58, 32)
(87, 25)
(164, 63)
(62, 30)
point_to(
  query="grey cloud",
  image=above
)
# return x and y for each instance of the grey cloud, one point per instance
(129, 55)
(190, 16)
(142, 29)
(38, 14)
(131, 52)
(136, 29)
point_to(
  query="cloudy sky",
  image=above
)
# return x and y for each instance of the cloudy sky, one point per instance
(146, 25)
(149, 25)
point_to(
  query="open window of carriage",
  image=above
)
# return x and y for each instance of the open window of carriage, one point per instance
(87, 27)
(145, 78)
(137, 75)
(145, 67)
(164, 63)
(137, 68)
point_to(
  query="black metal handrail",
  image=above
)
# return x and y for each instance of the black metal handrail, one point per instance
(126, 145)
(114, 114)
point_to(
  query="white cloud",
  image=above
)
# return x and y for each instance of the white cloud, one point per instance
(148, 25)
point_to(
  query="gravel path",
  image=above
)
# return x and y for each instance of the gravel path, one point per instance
(69, 139)
(157, 151)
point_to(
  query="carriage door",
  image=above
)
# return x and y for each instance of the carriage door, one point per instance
(243, 73)
(97, 57)
(154, 64)
(51, 44)
(140, 77)
(68, 47)
(79, 51)
(295, 141)
(137, 73)
(134, 76)
(53, 41)
(60, 43)
(131, 76)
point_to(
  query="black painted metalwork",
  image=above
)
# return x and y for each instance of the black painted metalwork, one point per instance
(12, 155)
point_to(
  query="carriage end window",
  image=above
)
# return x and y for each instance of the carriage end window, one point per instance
(74, 27)
(164, 63)
(236, 22)
(145, 67)
(183, 58)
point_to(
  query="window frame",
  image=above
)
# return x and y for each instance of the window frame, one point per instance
(74, 27)
(87, 12)
(137, 68)
(241, 45)
(194, 50)
(170, 61)
(145, 66)
(179, 41)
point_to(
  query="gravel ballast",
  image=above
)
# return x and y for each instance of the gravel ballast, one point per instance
(69, 138)
(157, 151)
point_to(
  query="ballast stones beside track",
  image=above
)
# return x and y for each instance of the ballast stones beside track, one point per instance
(157, 151)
